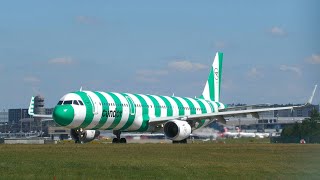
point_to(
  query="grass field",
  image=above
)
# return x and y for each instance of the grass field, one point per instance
(160, 161)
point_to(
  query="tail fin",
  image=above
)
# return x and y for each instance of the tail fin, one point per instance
(311, 98)
(31, 107)
(212, 89)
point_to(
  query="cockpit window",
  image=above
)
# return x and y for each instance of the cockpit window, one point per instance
(60, 102)
(67, 102)
(75, 102)
(81, 103)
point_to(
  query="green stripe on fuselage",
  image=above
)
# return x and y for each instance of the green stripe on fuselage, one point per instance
(118, 108)
(89, 109)
(145, 113)
(168, 106)
(203, 110)
(156, 106)
(131, 116)
(211, 105)
(202, 106)
(105, 110)
(180, 106)
(191, 106)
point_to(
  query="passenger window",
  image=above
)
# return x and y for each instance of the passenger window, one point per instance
(60, 102)
(75, 102)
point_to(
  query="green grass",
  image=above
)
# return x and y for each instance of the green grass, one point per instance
(160, 161)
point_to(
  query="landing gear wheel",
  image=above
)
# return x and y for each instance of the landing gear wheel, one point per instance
(115, 140)
(123, 140)
(184, 141)
(77, 135)
(117, 133)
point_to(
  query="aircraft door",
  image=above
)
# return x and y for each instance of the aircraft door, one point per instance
(94, 105)
(211, 106)
(132, 108)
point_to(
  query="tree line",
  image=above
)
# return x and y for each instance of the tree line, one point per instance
(310, 127)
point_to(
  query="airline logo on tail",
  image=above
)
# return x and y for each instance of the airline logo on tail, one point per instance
(211, 91)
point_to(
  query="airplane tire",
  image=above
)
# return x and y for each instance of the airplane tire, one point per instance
(123, 140)
(184, 141)
(115, 140)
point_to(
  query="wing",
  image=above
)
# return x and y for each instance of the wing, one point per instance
(220, 116)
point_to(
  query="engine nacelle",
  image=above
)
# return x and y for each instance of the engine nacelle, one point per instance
(84, 136)
(177, 130)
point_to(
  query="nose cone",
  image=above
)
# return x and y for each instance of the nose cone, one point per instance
(63, 115)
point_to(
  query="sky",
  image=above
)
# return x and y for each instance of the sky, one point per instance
(271, 49)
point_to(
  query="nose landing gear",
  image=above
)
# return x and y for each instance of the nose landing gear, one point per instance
(77, 135)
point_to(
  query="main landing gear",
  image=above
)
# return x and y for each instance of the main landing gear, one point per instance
(184, 141)
(118, 139)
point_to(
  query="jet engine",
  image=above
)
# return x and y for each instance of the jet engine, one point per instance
(83, 136)
(177, 130)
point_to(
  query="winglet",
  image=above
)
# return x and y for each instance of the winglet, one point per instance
(31, 107)
(311, 98)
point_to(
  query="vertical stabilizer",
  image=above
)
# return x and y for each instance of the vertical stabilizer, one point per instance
(212, 88)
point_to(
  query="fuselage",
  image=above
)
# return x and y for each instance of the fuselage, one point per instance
(125, 111)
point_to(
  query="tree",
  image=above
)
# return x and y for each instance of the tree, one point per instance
(309, 127)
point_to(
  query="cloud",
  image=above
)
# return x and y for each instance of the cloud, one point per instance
(292, 69)
(150, 76)
(220, 44)
(62, 60)
(314, 59)
(87, 20)
(186, 66)
(228, 84)
(152, 72)
(254, 73)
(147, 79)
(31, 79)
(277, 31)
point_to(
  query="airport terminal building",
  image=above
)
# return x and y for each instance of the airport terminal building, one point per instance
(271, 119)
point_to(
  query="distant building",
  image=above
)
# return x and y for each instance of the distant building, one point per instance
(271, 119)
(49, 110)
(16, 114)
(4, 117)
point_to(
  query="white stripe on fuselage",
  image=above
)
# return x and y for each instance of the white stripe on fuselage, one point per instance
(125, 114)
(162, 104)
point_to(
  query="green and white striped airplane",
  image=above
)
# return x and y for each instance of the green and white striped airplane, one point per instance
(87, 112)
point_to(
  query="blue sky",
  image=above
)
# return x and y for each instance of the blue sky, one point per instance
(271, 49)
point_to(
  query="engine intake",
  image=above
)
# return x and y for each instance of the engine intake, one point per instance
(84, 136)
(177, 130)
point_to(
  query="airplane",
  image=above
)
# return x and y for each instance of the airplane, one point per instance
(87, 112)
(229, 134)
